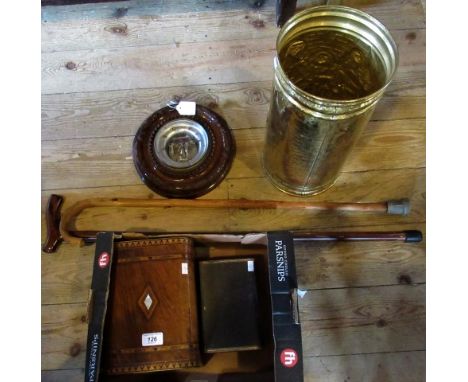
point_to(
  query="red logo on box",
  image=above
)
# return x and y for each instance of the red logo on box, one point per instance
(289, 357)
(103, 259)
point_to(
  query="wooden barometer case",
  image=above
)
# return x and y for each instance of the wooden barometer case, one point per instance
(183, 156)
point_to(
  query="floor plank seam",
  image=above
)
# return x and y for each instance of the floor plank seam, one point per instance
(49, 370)
(66, 303)
(227, 178)
(91, 137)
(273, 37)
(368, 286)
(167, 87)
(117, 49)
(383, 169)
(207, 84)
(368, 225)
(370, 353)
(67, 369)
(253, 128)
(307, 357)
(308, 290)
(90, 188)
(401, 119)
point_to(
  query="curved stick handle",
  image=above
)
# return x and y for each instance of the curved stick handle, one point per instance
(52, 215)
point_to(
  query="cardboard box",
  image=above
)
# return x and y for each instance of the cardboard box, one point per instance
(280, 356)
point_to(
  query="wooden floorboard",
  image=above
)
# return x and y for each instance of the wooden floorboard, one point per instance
(244, 106)
(200, 63)
(107, 161)
(394, 366)
(395, 14)
(363, 320)
(182, 28)
(71, 375)
(142, 8)
(334, 322)
(171, 29)
(388, 11)
(340, 265)
(106, 67)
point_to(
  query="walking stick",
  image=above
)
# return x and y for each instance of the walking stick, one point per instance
(58, 227)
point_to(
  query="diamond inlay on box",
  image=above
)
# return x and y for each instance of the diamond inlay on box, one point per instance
(147, 302)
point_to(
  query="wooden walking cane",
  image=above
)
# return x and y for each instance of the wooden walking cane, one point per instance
(58, 226)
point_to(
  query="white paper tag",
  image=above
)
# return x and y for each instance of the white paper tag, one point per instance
(152, 339)
(185, 268)
(186, 107)
(250, 266)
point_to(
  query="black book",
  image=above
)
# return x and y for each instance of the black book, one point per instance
(229, 305)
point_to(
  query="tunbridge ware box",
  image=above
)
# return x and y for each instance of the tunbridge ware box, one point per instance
(194, 308)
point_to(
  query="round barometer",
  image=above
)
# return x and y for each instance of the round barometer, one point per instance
(183, 156)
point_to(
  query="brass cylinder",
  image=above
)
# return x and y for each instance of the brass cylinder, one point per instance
(309, 135)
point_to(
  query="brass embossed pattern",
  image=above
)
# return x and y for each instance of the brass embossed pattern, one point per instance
(332, 65)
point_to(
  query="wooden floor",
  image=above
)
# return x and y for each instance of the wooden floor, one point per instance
(106, 67)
